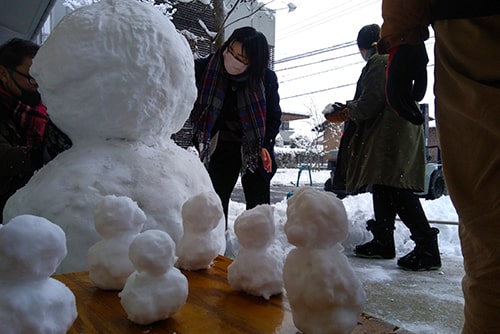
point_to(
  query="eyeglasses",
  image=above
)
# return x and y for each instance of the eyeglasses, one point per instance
(30, 79)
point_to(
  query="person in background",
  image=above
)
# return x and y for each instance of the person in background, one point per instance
(28, 139)
(379, 148)
(237, 116)
(467, 101)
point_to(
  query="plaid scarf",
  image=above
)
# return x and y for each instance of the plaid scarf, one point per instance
(29, 121)
(251, 106)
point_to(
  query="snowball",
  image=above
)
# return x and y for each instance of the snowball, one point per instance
(116, 69)
(256, 269)
(118, 220)
(31, 301)
(326, 214)
(324, 293)
(156, 290)
(119, 80)
(200, 243)
(31, 248)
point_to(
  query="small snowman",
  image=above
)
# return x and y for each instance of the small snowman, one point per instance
(156, 290)
(119, 79)
(118, 220)
(31, 301)
(324, 293)
(200, 243)
(256, 270)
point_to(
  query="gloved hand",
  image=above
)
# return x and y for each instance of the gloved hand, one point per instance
(407, 81)
(339, 115)
(331, 108)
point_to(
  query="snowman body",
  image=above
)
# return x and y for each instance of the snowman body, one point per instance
(200, 244)
(256, 270)
(33, 302)
(118, 220)
(156, 290)
(324, 293)
(120, 98)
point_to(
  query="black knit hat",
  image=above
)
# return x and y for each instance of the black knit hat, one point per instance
(368, 36)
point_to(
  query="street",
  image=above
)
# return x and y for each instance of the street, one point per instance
(278, 192)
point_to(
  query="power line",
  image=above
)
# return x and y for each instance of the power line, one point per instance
(326, 89)
(317, 22)
(335, 47)
(315, 52)
(318, 62)
(318, 91)
(322, 72)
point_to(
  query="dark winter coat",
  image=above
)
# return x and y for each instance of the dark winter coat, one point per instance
(379, 147)
(18, 163)
(273, 111)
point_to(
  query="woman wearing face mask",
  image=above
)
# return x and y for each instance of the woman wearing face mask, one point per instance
(25, 127)
(237, 116)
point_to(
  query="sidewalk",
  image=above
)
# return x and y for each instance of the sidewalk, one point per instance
(428, 302)
(421, 302)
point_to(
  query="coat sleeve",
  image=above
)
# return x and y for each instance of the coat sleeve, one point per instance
(405, 22)
(273, 113)
(370, 98)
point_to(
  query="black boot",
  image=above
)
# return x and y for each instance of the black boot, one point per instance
(382, 245)
(425, 256)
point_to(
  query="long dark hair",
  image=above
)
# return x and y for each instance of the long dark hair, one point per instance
(256, 49)
(13, 52)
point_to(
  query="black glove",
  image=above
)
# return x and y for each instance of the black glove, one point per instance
(407, 81)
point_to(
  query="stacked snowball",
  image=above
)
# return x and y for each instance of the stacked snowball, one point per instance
(31, 301)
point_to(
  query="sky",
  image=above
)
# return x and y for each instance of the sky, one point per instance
(121, 132)
(310, 82)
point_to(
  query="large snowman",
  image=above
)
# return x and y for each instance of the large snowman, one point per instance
(119, 80)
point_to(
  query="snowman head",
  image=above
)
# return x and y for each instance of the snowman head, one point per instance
(255, 227)
(153, 252)
(116, 69)
(315, 219)
(31, 248)
(115, 215)
(207, 202)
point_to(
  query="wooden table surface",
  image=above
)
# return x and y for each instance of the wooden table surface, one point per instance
(212, 307)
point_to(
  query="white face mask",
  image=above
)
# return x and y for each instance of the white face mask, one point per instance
(232, 65)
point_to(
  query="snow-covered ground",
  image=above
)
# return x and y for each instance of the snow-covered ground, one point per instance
(422, 302)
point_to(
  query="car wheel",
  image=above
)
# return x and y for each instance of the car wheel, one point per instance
(436, 185)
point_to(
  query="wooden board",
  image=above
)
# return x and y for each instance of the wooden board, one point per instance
(212, 307)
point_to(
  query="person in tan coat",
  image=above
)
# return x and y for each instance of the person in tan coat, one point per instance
(382, 150)
(467, 92)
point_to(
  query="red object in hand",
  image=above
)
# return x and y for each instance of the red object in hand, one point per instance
(338, 116)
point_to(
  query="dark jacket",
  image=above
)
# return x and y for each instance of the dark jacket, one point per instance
(379, 147)
(273, 110)
(18, 163)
